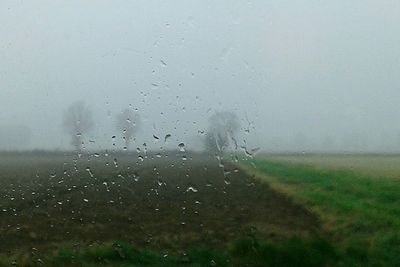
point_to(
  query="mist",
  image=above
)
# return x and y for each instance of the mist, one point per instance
(314, 76)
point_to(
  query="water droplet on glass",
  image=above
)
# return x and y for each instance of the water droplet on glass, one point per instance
(106, 185)
(227, 172)
(192, 189)
(167, 137)
(89, 171)
(136, 177)
(181, 147)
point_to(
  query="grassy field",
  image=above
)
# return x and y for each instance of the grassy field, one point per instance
(357, 199)
(170, 209)
(385, 166)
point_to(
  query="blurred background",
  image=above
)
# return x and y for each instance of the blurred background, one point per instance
(314, 76)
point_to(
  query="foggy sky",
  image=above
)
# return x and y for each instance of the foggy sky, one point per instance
(302, 75)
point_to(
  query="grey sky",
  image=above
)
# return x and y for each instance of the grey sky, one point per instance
(309, 75)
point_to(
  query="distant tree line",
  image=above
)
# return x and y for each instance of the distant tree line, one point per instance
(221, 132)
(78, 122)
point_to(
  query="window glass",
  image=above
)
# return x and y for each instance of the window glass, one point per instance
(199, 133)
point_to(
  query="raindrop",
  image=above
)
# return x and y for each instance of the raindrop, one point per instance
(181, 147)
(89, 171)
(167, 137)
(192, 189)
(247, 153)
(136, 177)
(106, 185)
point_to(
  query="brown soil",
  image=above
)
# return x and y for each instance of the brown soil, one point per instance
(161, 203)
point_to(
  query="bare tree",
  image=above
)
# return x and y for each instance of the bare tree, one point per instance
(128, 122)
(223, 125)
(78, 121)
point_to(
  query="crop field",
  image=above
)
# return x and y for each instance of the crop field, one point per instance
(189, 209)
(356, 198)
(154, 210)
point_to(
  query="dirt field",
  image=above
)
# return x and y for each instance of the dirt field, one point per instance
(163, 202)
